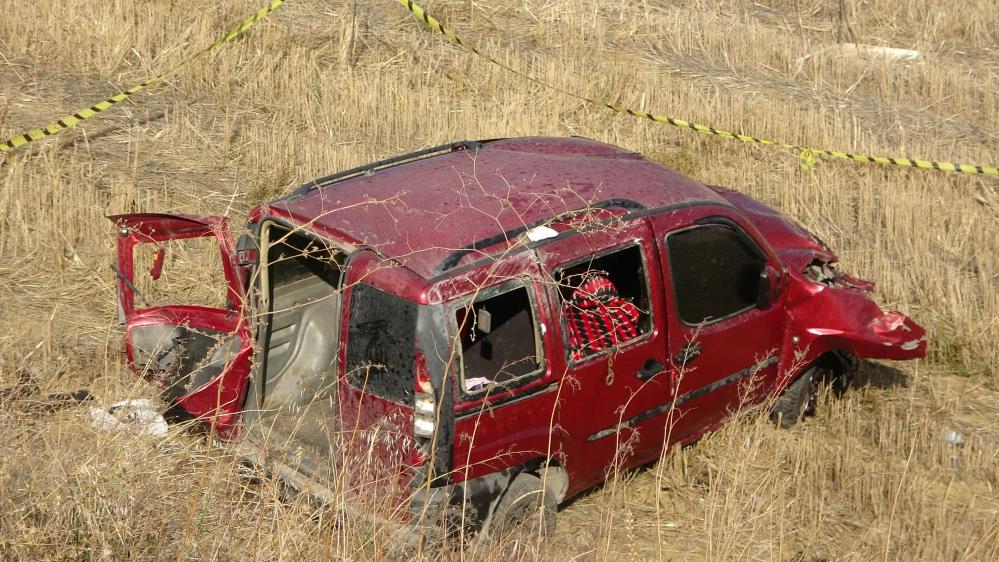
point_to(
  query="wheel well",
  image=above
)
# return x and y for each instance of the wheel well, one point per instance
(839, 365)
(553, 474)
(839, 362)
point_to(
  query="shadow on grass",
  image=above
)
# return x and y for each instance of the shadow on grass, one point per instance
(876, 375)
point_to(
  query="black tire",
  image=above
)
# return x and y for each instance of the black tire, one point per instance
(798, 399)
(524, 518)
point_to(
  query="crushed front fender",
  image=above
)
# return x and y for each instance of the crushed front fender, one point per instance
(830, 311)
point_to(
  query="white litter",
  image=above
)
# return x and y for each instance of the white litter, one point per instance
(539, 233)
(476, 382)
(954, 438)
(140, 417)
(855, 50)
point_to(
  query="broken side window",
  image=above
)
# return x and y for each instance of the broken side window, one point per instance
(716, 272)
(604, 301)
(381, 344)
(500, 343)
(189, 272)
(185, 271)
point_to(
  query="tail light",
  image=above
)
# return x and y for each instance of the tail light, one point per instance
(425, 405)
(247, 251)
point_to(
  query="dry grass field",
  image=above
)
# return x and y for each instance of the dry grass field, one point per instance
(323, 86)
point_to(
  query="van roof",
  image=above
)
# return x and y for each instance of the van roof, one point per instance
(428, 213)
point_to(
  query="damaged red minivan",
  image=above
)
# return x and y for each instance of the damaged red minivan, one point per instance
(479, 331)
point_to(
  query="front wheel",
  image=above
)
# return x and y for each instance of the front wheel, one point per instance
(798, 399)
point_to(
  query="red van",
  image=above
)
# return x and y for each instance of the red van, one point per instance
(482, 330)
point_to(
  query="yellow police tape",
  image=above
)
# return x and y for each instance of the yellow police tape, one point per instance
(84, 114)
(806, 154)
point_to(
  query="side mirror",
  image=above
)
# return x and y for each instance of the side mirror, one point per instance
(768, 289)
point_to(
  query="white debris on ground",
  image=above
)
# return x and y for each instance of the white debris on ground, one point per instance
(140, 416)
(955, 438)
(856, 50)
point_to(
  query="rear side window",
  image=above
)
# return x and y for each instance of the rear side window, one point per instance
(381, 333)
(716, 272)
(604, 301)
(499, 340)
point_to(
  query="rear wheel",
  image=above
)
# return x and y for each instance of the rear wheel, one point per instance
(524, 519)
(798, 399)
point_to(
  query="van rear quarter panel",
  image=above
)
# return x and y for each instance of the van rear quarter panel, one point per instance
(378, 432)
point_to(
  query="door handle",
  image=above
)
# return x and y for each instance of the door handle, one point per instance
(689, 352)
(651, 368)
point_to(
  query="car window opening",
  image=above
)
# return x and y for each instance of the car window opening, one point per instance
(301, 277)
(184, 271)
(499, 340)
(716, 273)
(604, 302)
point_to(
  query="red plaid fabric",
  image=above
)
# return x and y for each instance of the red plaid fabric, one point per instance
(597, 317)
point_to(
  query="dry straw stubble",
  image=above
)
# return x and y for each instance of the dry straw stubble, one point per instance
(321, 87)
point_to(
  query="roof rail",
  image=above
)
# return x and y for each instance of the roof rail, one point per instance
(454, 258)
(369, 168)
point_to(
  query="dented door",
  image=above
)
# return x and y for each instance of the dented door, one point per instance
(199, 354)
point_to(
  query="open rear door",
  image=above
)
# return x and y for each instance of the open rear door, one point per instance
(180, 296)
